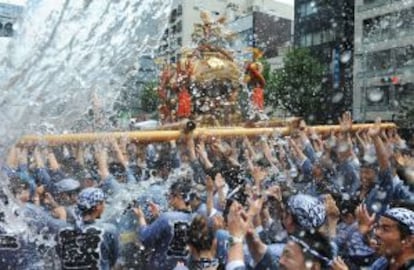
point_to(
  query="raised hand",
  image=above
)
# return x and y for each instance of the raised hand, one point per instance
(345, 122)
(154, 209)
(237, 220)
(365, 220)
(375, 129)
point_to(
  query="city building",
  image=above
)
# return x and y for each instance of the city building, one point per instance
(384, 58)
(266, 24)
(326, 28)
(9, 13)
(270, 32)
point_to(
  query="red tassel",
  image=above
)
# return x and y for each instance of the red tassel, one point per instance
(258, 98)
(184, 103)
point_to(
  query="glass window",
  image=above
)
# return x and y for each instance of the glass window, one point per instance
(328, 35)
(306, 9)
(173, 16)
(369, 2)
(179, 10)
(377, 96)
(302, 41)
(179, 27)
(317, 38)
(8, 30)
(308, 39)
(379, 61)
(404, 56)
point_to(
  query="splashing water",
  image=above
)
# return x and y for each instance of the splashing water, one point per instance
(375, 95)
(62, 53)
(65, 50)
(346, 56)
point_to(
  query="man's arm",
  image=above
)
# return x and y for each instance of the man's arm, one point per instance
(382, 156)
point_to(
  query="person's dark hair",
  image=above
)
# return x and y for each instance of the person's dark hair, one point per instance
(16, 186)
(85, 212)
(263, 162)
(200, 234)
(116, 169)
(369, 165)
(181, 188)
(348, 206)
(402, 203)
(3, 197)
(315, 247)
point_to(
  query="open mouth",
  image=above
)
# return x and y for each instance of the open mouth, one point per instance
(375, 243)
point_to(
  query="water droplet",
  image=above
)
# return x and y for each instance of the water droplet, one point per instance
(308, 264)
(337, 97)
(376, 207)
(346, 56)
(375, 95)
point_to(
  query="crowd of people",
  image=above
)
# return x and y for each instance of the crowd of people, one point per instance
(343, 200)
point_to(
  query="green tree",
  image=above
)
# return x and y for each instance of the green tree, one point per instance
(266, 69)
(297, 87)
(149, 97)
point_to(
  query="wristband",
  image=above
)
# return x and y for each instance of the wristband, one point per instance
(235, 240)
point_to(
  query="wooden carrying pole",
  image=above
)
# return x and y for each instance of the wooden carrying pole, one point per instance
(168, 135)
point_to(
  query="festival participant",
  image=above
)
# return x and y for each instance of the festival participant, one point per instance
(306, 250)
(393, 236)
(121, 156)
(16, 253)
(351, 246)
(160, 161)
(202, 244)
(66, 196)
(38, 220)
(240, 230)
(89, 244)
(107, 182)
(347, 170)
(378, 189)
(167, 235)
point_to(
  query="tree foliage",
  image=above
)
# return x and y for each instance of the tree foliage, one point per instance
(149, 97)
(297, 87)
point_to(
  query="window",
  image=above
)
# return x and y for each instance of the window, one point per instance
(307, 9)
(379, 61)
(173, 16)
(377, 97)
(302, 41)
(179, 10)
(317, 38)
(328, 35)
(179, 27)
(8, 30)
(370, 2)
(404, 56)
(388, 26)
(308, 39)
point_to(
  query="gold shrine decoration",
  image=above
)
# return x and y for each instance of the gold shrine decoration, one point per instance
(148, 136)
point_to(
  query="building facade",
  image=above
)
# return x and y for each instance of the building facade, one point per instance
(384, 57)
(270, 33)
(266, 24)
(327, 29)
(9, 13)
